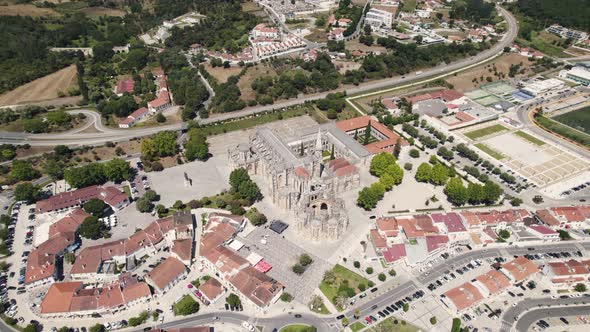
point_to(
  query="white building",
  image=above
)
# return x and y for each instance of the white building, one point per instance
(379, 18)
(538, 87)
(577, 74)
(261, 30)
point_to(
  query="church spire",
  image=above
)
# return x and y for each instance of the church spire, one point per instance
(318, 141)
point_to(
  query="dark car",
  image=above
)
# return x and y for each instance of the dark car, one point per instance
(339, 317)
(297, 316)
(373, 290)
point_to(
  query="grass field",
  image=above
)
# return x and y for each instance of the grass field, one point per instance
(408, 5)
(27, 10)
(529, 138)
(479, 133)
(222, 74)
(93, 12)
(343, 276)
(578, 119)
(356, 326)
(391, 326)
(254, 121)
(44, 88)
(322, 310)
(495, 154)
(295, 328)
(564, 130)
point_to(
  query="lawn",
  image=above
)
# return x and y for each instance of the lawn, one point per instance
(391, 326)
(298, 328)
(565, 131)
(344, 278)
(529, 138)
(356, 326)
(322, 310)
(578, 119)
(222, 128)
(495, 154)
(409, 5)
(479, 133)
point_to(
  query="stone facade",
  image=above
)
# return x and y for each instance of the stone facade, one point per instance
(303, 178)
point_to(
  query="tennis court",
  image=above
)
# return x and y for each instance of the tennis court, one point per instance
(497, 88)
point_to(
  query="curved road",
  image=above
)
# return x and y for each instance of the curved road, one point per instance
(559, 308)
(125, 134)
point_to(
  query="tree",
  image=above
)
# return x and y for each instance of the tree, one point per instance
(380, 162)
(316, 302)
(414, 153)
(439, 175)
(369, 270)
(94, 206)
(86, 175)
(305, 260)
(144, 205)
(196, 148)
(54, 169)
(456, 193)
(580, 287)
(63, 329)
(237, 177)
(165, 143)
(62, 152)
(356, 264)
(97, 328)
(256, 218)
(330, 277)
(433, 320)
(298, 269)
(26, 192)
(186, 306)
(424, 173)
(516, 201)
(381, 277)
(250, 191)
(564, 235)
(491, 192)
(91, 228)
(117, 170)
(397, 148)
(504, 234)
(160, 118)
(406, 307)
(233, 300)
(286, 297)
(30, 328)
(387, 181)
(70, 257)
(368, 130)
(151, 195)
(538, 199)
(23, 170)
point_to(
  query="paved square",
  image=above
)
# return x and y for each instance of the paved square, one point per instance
(282, 255)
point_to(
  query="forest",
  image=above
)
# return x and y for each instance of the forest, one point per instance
(572, 14)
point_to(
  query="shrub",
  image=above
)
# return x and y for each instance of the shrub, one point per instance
(381, 277)
(369, 270)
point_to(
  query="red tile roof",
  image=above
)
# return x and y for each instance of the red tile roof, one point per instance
(378, 241)
(434, 242)
(211, 288)
(361, 122)
(394, 252)
(569, 213)
(568, 268)
(388, 226)
(69, 223)
(125, 85)
(41, 262)
(494, 281)
(520, 268)
(183, 249)
(464, 296)
(166, 272)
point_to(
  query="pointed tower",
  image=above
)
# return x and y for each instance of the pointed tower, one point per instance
(317, 156)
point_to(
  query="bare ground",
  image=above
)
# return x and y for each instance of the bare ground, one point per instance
(355, 45)
(246, 81)
(463, 81)
(27, 10)
(102, 11)
(44, 88)
(222, 74)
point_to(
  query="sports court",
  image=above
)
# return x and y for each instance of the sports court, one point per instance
(498, 88)
(542, 164)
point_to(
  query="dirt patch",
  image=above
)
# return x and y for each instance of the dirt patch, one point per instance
(245, 83)
(249, 6)
(33, 150)
(27, 10)
(343, 66)
(389, 9)
(465, 81)
(44, 88)
(359, 2)
(102, 11)
(354, 45)
(222, 74)
(106, 153)
(317, 35)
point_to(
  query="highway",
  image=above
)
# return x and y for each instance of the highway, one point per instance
(114, 135)
(329, 323)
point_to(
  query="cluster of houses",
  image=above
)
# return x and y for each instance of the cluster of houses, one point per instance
(337, 27)
(519, 270)
(415, 239)
(159, 104)
(489, 284)
(95, 282)
(245, 276)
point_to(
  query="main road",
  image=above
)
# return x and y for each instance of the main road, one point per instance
(365, 306)
(532, 310)
(126, 134)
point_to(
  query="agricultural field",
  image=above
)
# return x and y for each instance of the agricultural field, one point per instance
(474, 77)
(94, 12)
(27, 10)
(44, 88)
(578, 119)
(479, 133)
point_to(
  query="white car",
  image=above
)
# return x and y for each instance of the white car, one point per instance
(248, 326)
